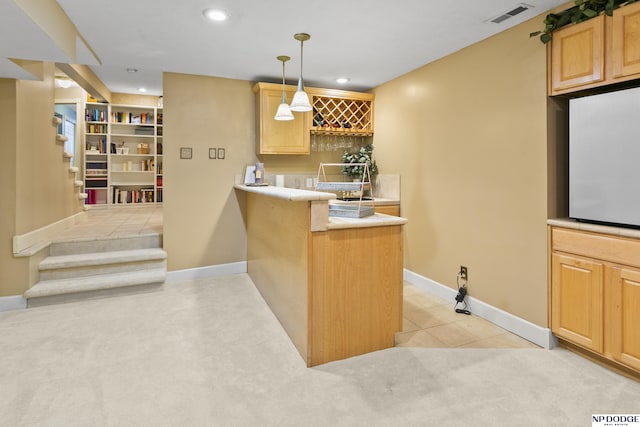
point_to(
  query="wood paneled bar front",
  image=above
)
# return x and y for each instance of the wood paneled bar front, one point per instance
(335, 284)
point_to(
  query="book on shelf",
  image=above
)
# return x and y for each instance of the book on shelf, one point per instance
(127, 117)
(95, 115)
(96, 146)
(96, 128)
(144, 130)
(132, 196)
(96, 196)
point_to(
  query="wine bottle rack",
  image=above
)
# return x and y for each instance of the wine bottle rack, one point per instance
(342, 115)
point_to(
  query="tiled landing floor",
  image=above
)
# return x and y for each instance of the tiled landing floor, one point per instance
(430, 321)
(116, 222)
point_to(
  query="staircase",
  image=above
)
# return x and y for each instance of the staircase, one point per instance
(83, 269)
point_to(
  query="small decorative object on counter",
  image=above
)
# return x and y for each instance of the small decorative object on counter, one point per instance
(354, 186)
(259, 173)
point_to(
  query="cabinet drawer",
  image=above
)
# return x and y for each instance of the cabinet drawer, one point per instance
(388, 209)
(620, 250)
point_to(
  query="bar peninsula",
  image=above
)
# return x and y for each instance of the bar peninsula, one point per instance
(335, 284)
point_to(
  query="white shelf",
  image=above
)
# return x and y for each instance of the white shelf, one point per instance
(128, 135)
(146, 184)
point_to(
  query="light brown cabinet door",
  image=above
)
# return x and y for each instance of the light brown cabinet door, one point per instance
(577, 55)
(625, 50)
(577, 300)
(280, 137)
(388, 209)
(625, 327)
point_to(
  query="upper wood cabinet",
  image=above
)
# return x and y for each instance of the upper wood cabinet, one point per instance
(597, 52)
(577, 55)
(279, 137)
(625, 38)
(335, 112)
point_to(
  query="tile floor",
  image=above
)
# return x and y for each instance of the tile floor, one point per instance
(429, 321)
(116, 222)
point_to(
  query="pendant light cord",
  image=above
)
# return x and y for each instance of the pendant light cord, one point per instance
(284, 98)
(301, 58)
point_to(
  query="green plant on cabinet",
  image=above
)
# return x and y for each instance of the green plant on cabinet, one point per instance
(582, 11)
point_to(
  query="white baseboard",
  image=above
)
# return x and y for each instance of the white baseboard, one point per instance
(16, 302)
(209, 271)
(527, 330)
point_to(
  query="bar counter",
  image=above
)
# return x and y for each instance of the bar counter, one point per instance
(335, 284)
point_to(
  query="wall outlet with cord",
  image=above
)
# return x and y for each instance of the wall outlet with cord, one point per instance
(463, 274)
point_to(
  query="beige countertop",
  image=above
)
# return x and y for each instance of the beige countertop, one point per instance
(291, 194)
(377, 201)
(320, 219)
(596, 228)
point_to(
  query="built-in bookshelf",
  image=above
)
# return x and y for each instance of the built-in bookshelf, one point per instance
(123, 154)
(159, 155)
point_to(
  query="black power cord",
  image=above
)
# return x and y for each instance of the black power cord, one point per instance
(461, 297)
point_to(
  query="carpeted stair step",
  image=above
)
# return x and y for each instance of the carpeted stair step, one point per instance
(110, 244)
(42, 292)
(100, 263)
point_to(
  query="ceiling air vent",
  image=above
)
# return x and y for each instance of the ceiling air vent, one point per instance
(521, 7)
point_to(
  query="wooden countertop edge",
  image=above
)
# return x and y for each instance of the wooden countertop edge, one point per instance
(375, 220)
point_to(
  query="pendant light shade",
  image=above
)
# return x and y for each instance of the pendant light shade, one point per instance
(284, 112)
(300, 101)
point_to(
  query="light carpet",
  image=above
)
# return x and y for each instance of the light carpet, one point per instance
(209, 352)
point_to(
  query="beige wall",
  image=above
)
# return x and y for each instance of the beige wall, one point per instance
(468, 134)
(134, 99)
(46, 193)
(203, 216)
(11, 273)
(37, 188)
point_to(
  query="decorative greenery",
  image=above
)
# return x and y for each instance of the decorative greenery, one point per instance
(582, 11)
(364, 155)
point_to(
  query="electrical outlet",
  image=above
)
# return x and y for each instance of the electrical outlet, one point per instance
(463, 272)
(309, 182)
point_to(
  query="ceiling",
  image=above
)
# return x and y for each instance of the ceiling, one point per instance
(368, 41)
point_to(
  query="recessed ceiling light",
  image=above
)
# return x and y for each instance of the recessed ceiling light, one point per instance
(132, 70)
(142, 89)
(217, 15)
(342, 80)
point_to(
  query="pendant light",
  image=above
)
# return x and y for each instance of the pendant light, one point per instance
(300, 101)
(284, 112)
